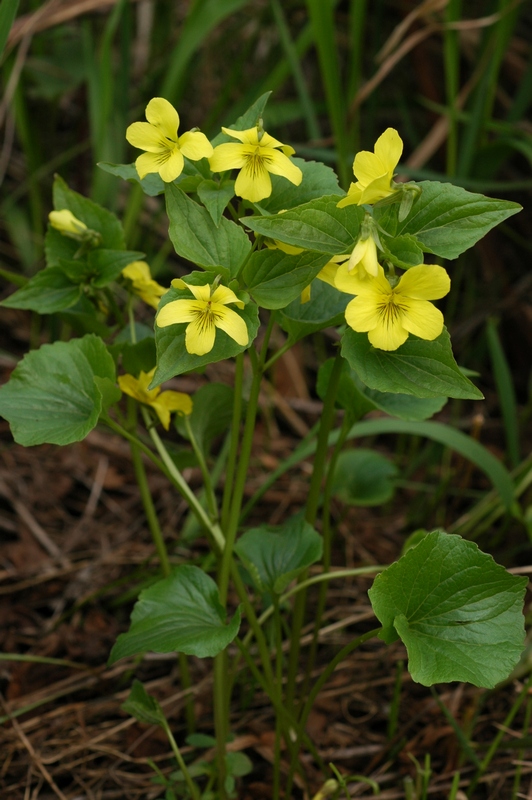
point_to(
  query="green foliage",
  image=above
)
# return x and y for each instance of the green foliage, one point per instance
(275, 556)
(318, 180)
(220, 248)
(418, 367)
(457, 611)
(211, 414)
(52, 395)
(275, 278)
(364, 478)
(181, 612)
(325, 308)
(143, 706)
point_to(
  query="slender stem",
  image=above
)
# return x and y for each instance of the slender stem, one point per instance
(221, 718)
(209, 490)
(193, 789)
(279, 686)
(282, 350)
(212, 527)
(324, 677)
(233, 448)
(320, 459)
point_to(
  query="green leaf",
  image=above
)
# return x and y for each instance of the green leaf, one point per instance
(215, 197)
(403, 251)
(181, 612)
(143, 706)
(325, 309)
(247, 120)
(275, 278)
(212, 414)
(107, 265)
(457, 611)
(47, 292)
(418, 367)
(195, 236)
(172, 355)
(318, 180)
(8, 11)
(364, 478)
(318, 225)
(93, 215)
(358, 400)
(448, 220)
(152, 184)
(275, 556)
(52, 396)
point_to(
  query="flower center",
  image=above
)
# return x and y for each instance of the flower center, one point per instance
(206, 316)
(390, 309)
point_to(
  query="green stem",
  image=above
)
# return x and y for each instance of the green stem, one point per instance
(320, 460)
(282, 350)
(279, 687)
(324, 677)
(209, 490)
(234, 434)
(193, 789)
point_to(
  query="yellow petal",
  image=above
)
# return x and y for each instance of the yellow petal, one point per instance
(377, 190)
(388, 337)
(279, 164)
(177, 311)
(172, 166)
(289, 249)
(367, 167)
(202, 293)
(305, 294)
(137, 271)
(200, 335)
(270, 141)
(162, 114)
(146, 137)
(364, 256)
(362, 315)
(224, 295)
(232, 324)
(195, 145)
(65, 221)
(150, 162)
(227, 156)
(424, 282)
(375, 287)
(253, 182)
(249, 136)
(171, 401)
(422, 319)
(327, 274)
(389, 149)
(352, 197)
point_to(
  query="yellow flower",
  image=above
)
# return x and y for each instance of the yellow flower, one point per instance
(164, 148)
(204, 314)
(388, 314)
(138, 272)
(256, 156)
(163, 403)
(374, 171)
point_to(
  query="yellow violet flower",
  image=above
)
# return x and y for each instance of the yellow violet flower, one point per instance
(163, 403)
(164, 148)
(256, 156)
(206, 312)
(363, 261)
(66, 223)
(374, 171)
(138, 272)
(388, 314)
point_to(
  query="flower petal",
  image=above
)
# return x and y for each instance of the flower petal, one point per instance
(367, 167)
(172, 166)
(362, 315)
(377, 190)
(162, 114)
(177, 311)
(150, 162)
(200, 335)
(327, 274)
(146, 137)
(249, 136)
(137, 271)
(376, 287)
(227, 156)
(231, 323)
(253, 181)
(201, 293)
(352, 197)
(171, 401)
(422, 319)
(224, 295)
(424, 282)
(279, 164)
(389, 149)
(388, 337)
(195, 145)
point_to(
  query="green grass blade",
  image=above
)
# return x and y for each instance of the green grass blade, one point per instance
(451, 52)
(357, 28)
(321, 14)
(8, 11)
(505, 390)
(313, 128)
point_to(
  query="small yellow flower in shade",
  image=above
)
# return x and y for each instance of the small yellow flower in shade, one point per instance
(389, 314)
(143, 285)
(164, 148)
(206, 312)
(256, 156)
(374, 171)
(163, 403)
(363, 260)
